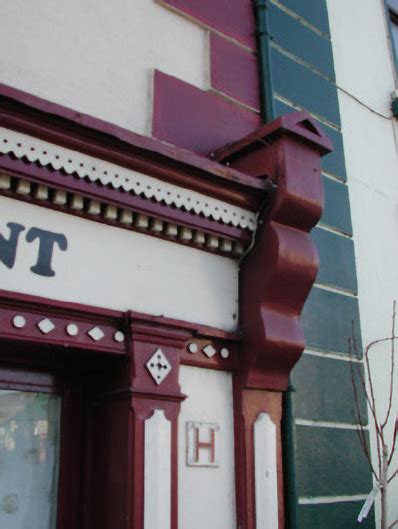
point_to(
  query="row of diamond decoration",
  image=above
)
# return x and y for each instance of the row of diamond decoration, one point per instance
(46, 326)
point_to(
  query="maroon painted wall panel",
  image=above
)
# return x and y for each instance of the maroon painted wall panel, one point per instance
(234, 71)
(197, 120)
(235, 18)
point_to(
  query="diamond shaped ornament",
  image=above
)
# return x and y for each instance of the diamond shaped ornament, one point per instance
(46, 326)
(158, 366)
(96, 334)
(209, 351)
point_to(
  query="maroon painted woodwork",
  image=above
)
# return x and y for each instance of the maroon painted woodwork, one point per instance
(248, 404)
(277, 275)
(35, 309)
(234, 71)
(60, 125)
(235, 18)
(195, 119)
(61, 315)
(58, 180)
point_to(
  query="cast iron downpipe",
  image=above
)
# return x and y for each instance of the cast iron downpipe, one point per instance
(267, 113)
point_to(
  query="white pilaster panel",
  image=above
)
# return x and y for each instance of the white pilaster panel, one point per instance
(265, 473)
(157, 472)
(206, 491)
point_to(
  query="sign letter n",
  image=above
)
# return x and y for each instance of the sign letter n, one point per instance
(8, 247)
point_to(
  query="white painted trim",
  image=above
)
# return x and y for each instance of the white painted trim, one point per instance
(332, 356)
(327, 424)
(331, 499)
(96, 170)
(335, 290)
(157, 478)
(331, 229)
(265, 471)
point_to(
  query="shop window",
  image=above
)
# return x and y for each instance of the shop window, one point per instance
(39, 449)
(29, 455)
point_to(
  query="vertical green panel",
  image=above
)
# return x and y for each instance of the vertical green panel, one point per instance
(334, 516)
(330, 462)
(337, 206)
(323, 390)
(298, 39)
(337, 260)
(299, 84)
(314, 11)
(328, 319)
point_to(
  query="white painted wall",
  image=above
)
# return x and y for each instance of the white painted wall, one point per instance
(364, 69)
(118, 269)
(207, 494)
(98, 56)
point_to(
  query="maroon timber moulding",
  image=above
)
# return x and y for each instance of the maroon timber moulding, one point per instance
(196, 119)
(63, 126)
(277, 275)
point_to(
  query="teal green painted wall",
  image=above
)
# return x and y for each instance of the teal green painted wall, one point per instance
(339, 515)
(298, 74)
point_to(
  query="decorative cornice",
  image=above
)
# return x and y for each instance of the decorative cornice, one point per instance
(207, 199)
(105, 173)
(54, 123)
(198, 233)
(277, 275)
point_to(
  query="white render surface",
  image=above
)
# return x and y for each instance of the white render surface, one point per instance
(157, 472)
(364, 68)
(207, 494)
(97, 56)
(265, 471)
(118, 269)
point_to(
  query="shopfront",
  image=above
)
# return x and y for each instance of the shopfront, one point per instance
(149, 319)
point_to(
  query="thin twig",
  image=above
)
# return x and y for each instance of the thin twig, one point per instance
(352, 346)
(393, 476)
(392, 367)
(393, 524)
(393, 441)
(360, 431)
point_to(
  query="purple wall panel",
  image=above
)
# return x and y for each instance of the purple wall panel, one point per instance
(234, 71)
(234, 18)
(197, 120)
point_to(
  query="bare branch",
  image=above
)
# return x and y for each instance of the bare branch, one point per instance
(360, 431)
(384, 423)
(393, 441)
(393, 524)
(352, 347)
(393, 476)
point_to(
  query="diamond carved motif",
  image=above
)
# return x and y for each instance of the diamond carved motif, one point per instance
(158, 366)
(46, 326)
(96, 334)
(209, 351)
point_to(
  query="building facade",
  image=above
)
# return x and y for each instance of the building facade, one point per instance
(182, 186)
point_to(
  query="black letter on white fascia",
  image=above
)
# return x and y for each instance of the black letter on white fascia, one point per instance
(8, 247)
(47, 240)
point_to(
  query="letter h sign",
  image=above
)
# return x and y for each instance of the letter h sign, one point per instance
(202, 444)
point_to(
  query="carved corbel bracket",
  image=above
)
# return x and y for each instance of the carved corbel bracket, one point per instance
(277, 275)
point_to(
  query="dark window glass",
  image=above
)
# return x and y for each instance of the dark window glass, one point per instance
(29, 453)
